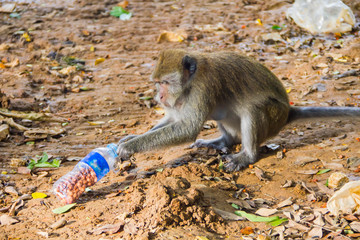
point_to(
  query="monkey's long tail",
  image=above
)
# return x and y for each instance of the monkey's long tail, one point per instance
(297, 113)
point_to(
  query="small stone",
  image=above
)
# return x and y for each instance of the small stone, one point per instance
(280, 155)
(59, 224)
(337, 179)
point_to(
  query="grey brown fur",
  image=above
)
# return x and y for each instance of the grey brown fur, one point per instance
(246, 99)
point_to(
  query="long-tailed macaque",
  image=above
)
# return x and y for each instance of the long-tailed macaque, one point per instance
(246, 99)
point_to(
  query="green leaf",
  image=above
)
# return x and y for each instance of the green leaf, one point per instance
(42, 162)
(63, 209)
(85, 88)
(15, 15)
(255, 218)
(160, 169)
(221, 165)
(54, 164)
(327, 183)
(64, 124)
(118, 11)
(30, 143)
(273, 221)
(322, 171)
(43, 158)
(235, 206)
(277, 222)
(276, 27)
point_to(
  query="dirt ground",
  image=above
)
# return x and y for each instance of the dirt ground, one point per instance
(174, 193)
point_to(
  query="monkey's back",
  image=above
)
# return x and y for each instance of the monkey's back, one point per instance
(244, 75)
(235, 77)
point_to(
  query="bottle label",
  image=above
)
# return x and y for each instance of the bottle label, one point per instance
(98, 163)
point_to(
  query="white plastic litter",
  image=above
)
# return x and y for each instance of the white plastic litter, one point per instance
(346, 200)
(322, 16)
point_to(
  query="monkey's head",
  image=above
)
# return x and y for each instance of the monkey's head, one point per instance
(174, 70)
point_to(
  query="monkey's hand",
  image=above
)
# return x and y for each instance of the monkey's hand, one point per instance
(238, 161)
(217, 143)
(124, 152)
(127, 138)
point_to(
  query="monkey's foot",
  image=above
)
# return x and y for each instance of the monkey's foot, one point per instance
(218, 143)
(237, 161)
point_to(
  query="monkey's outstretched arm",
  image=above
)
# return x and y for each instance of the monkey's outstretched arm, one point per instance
(163, 122)
(171, 134)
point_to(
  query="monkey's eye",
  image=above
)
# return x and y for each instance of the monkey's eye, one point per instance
(164, 82)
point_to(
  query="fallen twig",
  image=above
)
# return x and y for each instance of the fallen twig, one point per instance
(31, 115)
(13, 124)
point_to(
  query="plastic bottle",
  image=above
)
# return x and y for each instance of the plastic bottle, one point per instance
(86, 173)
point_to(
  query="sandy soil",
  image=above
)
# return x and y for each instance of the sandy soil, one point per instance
(172, 193)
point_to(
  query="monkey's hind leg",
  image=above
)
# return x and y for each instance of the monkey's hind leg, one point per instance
(250, 127)
(222, 143)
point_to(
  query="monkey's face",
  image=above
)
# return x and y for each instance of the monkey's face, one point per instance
(173, 71)
(168, 89)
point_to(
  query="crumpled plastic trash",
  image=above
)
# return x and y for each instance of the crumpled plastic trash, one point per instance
(345, 200)
(322, 16)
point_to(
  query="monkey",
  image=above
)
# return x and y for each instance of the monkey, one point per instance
(248, 102)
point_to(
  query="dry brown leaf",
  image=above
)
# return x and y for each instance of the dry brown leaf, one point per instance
(260, 174)
(7, 7)
(351, 217)
(228, 216)
(123, 4)
(7, 220)
(298, 226)
(4, 131)
(265, 212)
(302, 161)
(353, 235)
(247, 230)
(172, 36)
(308, 172)
(43, 234)
(108, 229)
(355, 226)
(288, 183)
(16, 205)
(315, 233)
(11, 190)
(324, 189)
(285, 203)
(4, 209)
(319, 219)
(37, 133)
(243, 204)
(111, 195)
(211, 28)
(13, 63)
(308, 218)
(4, 47)
(68, 70)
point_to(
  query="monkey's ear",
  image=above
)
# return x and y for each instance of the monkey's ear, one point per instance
(189, 67)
